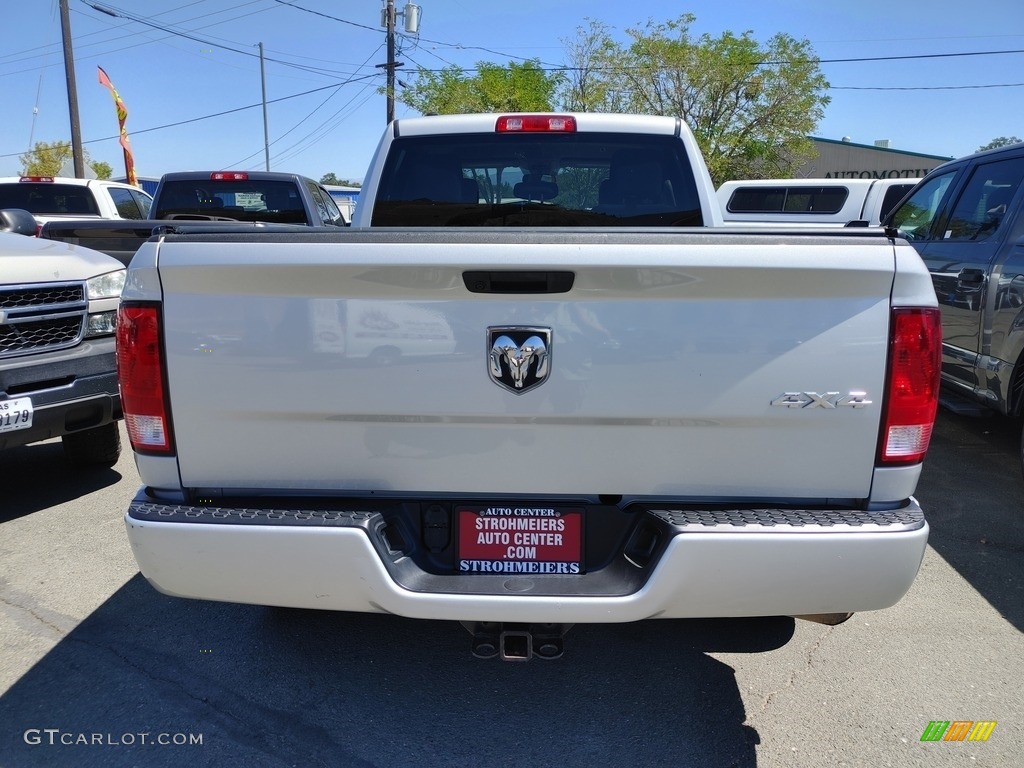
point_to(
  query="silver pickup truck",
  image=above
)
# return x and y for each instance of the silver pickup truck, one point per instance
(535, 384)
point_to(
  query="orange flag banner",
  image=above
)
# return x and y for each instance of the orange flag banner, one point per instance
(122, 116)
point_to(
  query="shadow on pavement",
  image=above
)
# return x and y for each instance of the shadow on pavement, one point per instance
(303, 688)
(972, 492)
(46, 479)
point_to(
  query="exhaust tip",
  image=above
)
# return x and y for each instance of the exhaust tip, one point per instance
(829, 619)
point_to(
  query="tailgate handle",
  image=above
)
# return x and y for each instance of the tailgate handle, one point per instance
(518, 281)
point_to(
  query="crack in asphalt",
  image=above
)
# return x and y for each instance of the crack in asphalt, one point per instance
(794, 674)
(61, 632)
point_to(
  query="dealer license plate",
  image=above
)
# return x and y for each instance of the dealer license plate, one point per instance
(15, 414)
(514, 539)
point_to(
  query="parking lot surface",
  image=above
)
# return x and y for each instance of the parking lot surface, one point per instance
(98, 669)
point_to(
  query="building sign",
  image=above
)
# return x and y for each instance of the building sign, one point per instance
(908, 173)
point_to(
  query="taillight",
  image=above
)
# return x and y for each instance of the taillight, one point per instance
(36, 179)
(912, 385)
(229, 176)
(535, 124)
(140, 372)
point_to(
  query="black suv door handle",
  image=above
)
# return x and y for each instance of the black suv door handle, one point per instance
(970, 278)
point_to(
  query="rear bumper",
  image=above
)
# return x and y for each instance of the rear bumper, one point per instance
(710, 564)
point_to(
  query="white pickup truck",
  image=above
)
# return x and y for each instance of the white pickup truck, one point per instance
(57, 198)
(605, 407)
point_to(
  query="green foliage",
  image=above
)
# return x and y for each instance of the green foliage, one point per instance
(1002, 141)
(330, 178)
(101, 169)
(751, 106)
(516, 87)
(46, 159)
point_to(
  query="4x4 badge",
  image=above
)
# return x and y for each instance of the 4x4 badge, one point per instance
(822, 400)
(518, 357)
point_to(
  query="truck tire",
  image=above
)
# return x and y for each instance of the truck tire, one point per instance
(98, 447)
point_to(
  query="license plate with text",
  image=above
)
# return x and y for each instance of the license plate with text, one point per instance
(520, 540)
(15, 414)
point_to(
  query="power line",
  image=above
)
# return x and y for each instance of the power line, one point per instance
(309, 115)
(909, 57)
(220, 114)
(922, 87)
(326, 15)
(117, 13)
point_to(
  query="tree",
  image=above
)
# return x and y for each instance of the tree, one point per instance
(586, 86)
(47, 159)
(750, 106)
(516, 87)
(330, 178)
(101, 169)
(1002, 141)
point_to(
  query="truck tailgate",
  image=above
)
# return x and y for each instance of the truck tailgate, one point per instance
(359, 361)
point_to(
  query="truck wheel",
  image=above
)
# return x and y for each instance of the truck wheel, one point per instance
(98, 447)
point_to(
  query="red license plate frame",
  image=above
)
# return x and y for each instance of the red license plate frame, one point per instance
(519, 539)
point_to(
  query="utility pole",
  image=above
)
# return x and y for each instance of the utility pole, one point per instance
(390, 11)
(266, 130)
(411, 16)
(69, 72)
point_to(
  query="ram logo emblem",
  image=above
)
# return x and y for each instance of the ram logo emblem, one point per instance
(519, 358)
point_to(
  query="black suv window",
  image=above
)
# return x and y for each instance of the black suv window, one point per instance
(914, 218)
(893, 195)
(984, 201)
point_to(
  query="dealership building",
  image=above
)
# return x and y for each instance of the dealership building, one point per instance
(846, 160)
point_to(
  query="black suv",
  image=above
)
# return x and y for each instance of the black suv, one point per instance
(965, 220)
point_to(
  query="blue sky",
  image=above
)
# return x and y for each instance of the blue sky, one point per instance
(205, 61)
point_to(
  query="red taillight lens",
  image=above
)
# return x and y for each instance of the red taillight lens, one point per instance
(140, 372)
(912, 386)
(229, 176)
(535, 124)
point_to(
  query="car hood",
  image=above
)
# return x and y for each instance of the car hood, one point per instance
(30, 260)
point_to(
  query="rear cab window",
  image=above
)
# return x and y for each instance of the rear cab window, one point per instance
(537, 179)
(276, 202)
(49, 199)
(783, 199)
